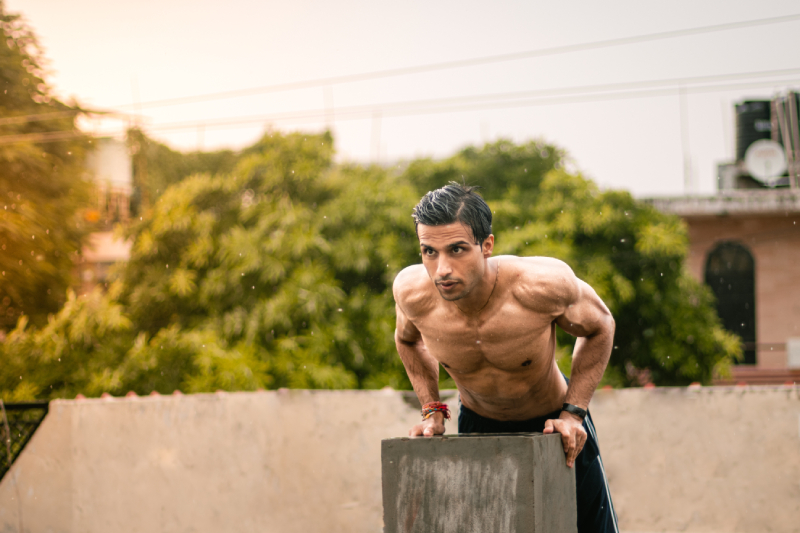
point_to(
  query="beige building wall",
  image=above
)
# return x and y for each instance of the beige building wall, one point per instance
(694, 460)
(774, 241)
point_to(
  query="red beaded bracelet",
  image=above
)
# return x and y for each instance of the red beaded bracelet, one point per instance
(431, 407)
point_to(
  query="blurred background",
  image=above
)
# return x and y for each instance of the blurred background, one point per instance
(203, 198)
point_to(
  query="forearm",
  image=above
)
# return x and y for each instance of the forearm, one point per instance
(422, 369)
(589, 361)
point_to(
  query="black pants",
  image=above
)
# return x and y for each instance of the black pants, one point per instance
(595, 511)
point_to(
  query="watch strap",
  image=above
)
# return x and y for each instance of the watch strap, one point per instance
(575, 410)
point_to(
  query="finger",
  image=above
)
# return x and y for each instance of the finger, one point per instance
(565, 441)
(428, 432)
(548, 427)
(572, 452)
(415, 431)
(581, 442)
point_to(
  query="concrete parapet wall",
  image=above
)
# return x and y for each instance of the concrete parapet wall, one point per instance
(713, 459)
(696, 460)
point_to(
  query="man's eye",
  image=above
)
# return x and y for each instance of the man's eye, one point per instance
(457, 249)
(429, 252)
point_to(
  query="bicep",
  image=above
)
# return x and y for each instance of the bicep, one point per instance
(586, 315)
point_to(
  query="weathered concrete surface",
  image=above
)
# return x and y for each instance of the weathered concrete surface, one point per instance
(294, 461)
(478, 484)
(696, 460)
(702, 460)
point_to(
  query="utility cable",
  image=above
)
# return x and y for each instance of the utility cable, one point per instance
(449, 105)
(543, 97)
(461, 63)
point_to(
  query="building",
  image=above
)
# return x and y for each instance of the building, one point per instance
(744, 242)
(110, 166)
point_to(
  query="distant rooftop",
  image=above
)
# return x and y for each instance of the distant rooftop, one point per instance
(731, 202)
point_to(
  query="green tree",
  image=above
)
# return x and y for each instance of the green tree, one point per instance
(156, 166)
(279, 273)
(42, 190)
(76, 351)
(503, 169)
(287, 259)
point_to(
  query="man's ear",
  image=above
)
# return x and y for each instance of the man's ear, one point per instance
(488, 246)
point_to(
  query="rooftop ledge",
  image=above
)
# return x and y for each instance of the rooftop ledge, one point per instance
(734, 202)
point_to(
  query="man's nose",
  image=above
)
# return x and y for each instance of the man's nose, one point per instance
(443, 268)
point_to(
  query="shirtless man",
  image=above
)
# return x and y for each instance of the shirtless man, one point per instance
(491, 322)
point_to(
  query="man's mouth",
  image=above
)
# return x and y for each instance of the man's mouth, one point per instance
(447, 284)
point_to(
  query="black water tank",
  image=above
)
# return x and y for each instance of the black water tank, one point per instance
(752, 124)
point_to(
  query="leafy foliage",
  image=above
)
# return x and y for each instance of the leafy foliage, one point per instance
(156, 166)
(278, 274)
(41, 186)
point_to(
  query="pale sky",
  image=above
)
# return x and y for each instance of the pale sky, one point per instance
(114, 54)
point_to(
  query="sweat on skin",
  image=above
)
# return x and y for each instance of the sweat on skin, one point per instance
(491, 322)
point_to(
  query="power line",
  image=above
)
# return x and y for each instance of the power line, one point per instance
(461, 63)
(511, 95)
(543, 97)
(469, 103)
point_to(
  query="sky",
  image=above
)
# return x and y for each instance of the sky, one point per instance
(656, 139)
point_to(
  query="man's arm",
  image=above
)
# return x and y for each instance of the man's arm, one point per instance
(590, 320)
(422, 370)
(586, 317)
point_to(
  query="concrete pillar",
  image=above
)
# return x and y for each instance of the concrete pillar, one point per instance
(478, 483)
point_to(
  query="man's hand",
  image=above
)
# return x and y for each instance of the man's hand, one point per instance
(434, 425)
(573, 436)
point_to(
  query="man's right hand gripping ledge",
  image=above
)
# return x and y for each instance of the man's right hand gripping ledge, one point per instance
(434, 425)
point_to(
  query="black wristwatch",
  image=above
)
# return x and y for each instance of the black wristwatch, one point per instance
(575, 410)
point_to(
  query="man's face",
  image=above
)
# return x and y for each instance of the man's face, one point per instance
(453, 261)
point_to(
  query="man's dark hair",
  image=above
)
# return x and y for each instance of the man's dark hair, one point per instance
(455, 203)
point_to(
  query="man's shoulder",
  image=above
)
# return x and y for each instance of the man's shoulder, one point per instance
(540, 282)
(412, 288)
(536, 268)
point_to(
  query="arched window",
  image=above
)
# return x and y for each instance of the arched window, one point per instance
(730, 272)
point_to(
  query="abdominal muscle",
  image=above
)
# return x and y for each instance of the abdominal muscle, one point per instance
(493, 382)
(500, 395)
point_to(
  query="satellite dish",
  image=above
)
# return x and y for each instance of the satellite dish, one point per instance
(765, 160)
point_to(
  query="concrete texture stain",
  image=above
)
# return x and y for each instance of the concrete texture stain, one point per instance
(446, 495)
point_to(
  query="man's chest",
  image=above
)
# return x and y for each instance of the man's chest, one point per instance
(507, 337)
